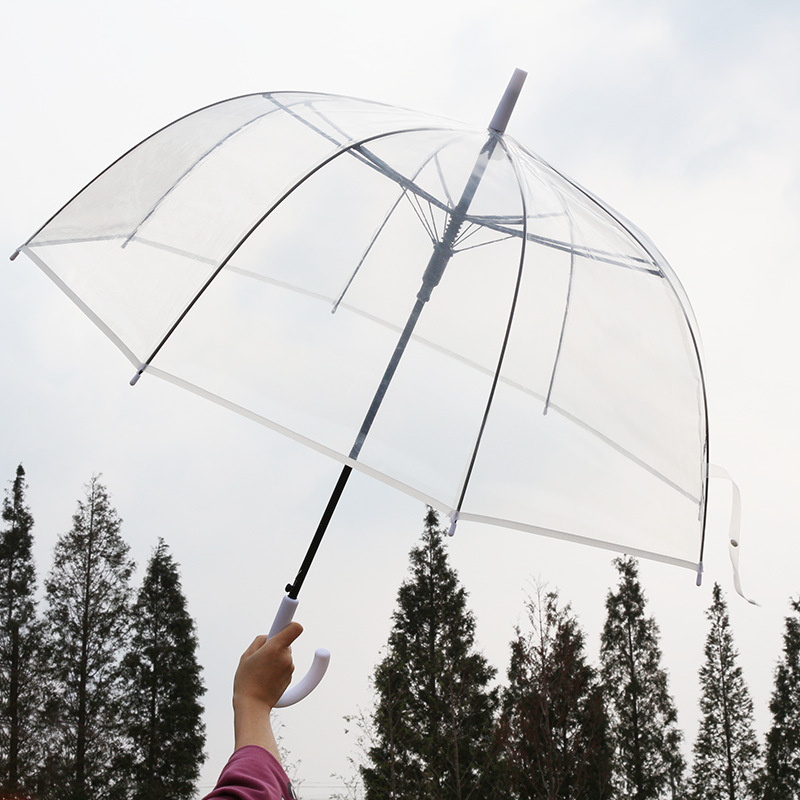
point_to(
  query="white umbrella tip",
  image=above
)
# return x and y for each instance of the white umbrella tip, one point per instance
(508, 101)
(453, 522)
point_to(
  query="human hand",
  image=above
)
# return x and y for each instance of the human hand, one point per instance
(264, 672)
(265, 668)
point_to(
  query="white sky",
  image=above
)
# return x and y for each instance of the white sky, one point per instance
(684, 116)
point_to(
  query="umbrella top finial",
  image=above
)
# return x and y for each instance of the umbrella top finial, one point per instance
(508, 101)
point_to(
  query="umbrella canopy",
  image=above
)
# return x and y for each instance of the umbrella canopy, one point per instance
(427, 302)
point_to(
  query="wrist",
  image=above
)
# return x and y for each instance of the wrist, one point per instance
(252, 725)
(250, 706)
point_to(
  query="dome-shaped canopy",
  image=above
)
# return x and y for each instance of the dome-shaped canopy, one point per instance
(430, 303)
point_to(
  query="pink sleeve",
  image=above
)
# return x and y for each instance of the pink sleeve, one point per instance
(252, 774)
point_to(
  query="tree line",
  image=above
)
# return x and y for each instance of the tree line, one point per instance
(99, 683)
(100, 687)
(560, 728)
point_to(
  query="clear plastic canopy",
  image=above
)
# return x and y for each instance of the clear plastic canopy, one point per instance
(268, 253)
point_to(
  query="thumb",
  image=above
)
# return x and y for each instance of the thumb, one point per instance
(285, 637)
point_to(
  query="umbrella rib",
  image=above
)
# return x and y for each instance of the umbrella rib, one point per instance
(443, 182)
(500, 359)
(473, 229)
(178, 251)
(557, 358)
(199, 160)
(74, 240)
(345, 136)
(354, 148)
(483, 244)
(469, 230)
(434, 226)
(416, 206)
(602, 256)
(567, 299)
(367, 251)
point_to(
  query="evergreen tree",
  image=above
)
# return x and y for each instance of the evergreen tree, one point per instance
(434, 715)
(163, 688)
(725, 751)
(647, 759)
(88, 617)
(553, 727)
(782, 771)
(20, 643)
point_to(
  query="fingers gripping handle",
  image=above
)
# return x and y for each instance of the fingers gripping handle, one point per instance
(318, 667)
(284, 616)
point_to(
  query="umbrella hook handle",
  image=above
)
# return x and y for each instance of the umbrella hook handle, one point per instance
(318, 666)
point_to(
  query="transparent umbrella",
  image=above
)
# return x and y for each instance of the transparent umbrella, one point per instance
(426, 302)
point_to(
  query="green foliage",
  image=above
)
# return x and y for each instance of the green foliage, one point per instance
(434, 717)
(725, 751)
(88, 620)
(79, 721)
(553, 726)
(20, 644)
(782, 769)
(647, 760)
(163, 686)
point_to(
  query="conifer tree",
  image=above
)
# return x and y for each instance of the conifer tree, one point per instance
(20, 644)
(647, 759)
(87, 592)
(553, 727)
(725, 751)
(163, 688)
(782, 769)
(434, 714)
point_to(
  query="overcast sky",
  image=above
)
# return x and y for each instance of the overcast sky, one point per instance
(684, 116)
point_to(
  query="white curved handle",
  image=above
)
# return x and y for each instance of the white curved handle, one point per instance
(314, 675)
(318, 667)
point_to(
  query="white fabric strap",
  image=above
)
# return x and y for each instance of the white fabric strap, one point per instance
(734, 534)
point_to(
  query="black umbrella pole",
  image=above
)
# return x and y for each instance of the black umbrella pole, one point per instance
(293, 589)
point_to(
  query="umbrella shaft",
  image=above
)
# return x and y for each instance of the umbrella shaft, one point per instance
(388, 374)
(440, 258)
(293, 589)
